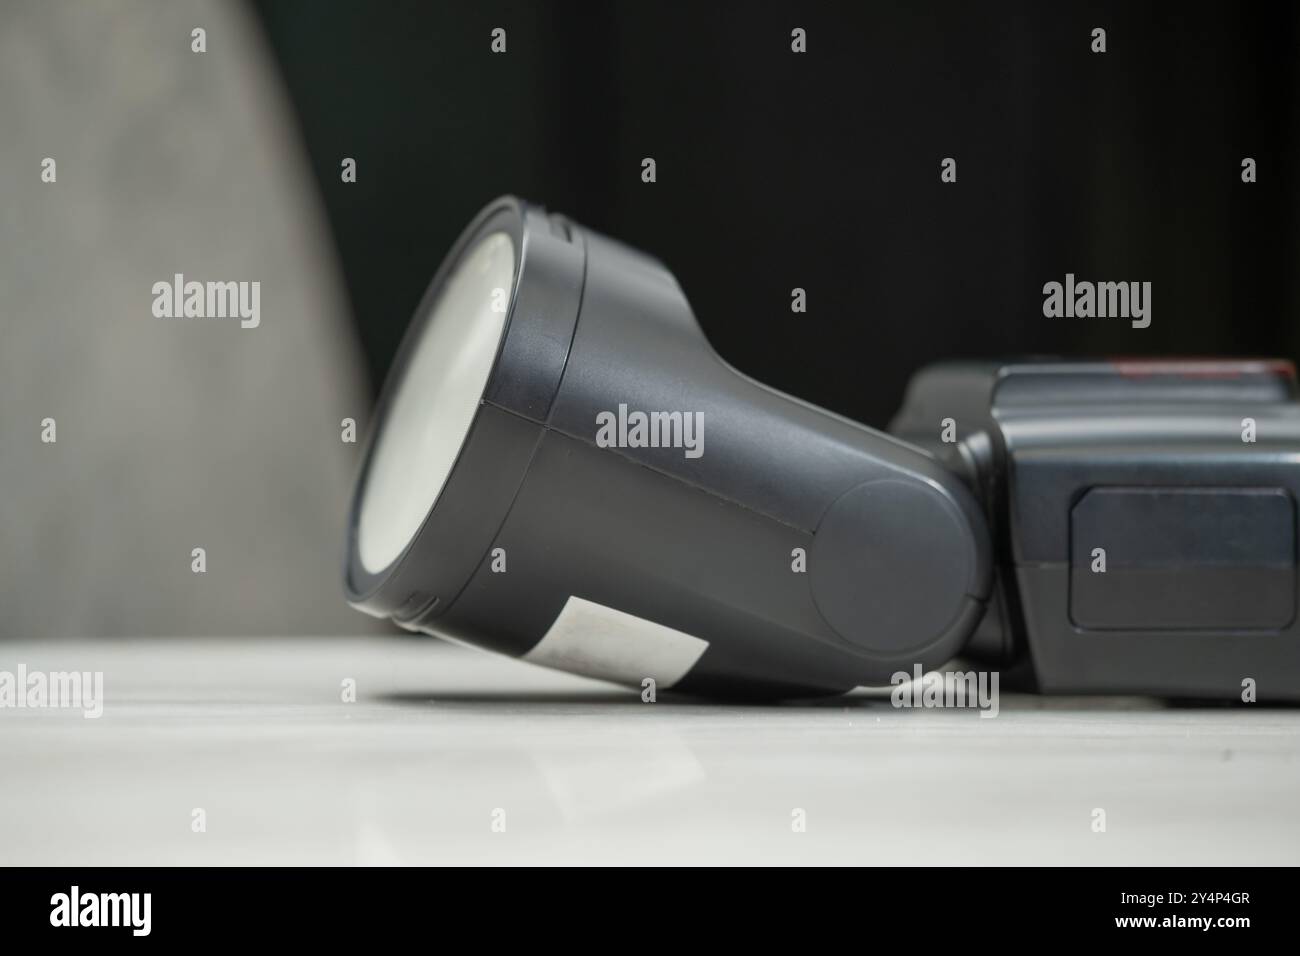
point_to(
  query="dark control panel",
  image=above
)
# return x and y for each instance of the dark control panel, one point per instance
(1183, 559)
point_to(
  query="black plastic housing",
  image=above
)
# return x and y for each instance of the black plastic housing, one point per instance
(896, 562)
(1182, 477)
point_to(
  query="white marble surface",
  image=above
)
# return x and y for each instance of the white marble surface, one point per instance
(255, 734)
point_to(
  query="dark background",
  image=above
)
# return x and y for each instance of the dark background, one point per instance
(821, 170)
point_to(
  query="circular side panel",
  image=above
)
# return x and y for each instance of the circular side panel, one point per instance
(891, 565)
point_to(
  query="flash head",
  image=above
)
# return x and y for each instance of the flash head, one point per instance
(450, 360)
(562, 469)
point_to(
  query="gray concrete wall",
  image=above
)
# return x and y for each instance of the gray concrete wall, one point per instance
(172, 434)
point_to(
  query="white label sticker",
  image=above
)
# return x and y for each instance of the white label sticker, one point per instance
(598, 641)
